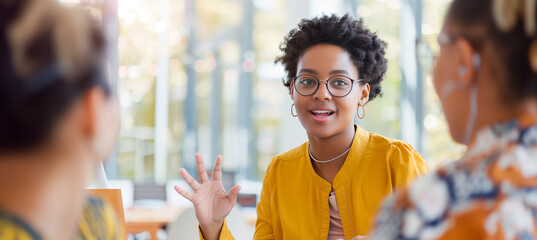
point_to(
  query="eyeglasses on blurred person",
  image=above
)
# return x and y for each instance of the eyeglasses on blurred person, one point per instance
(485, 75)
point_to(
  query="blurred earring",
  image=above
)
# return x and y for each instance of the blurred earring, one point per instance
(292, 112)
(363, 112)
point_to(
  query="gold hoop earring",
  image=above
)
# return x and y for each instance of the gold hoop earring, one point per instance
(292, 113)
(358, 112)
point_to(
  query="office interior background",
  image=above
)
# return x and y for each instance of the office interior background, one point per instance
(199, 76)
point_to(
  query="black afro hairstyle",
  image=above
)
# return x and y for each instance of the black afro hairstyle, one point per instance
(365, 48)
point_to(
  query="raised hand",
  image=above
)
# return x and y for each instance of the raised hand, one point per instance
(210, 199)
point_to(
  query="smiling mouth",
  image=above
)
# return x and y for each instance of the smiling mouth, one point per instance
(322, 113)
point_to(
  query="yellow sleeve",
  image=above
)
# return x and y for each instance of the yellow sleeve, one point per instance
(405, 164)
(11, 228)
(225, 233)
(99, 221)
(263, 225)
(115, 230)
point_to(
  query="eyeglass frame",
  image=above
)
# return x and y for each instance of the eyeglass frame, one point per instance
(442, 39)
(326, 83)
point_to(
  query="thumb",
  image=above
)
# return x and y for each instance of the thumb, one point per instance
(233, 194)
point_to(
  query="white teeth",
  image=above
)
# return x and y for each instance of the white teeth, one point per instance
(321, 112)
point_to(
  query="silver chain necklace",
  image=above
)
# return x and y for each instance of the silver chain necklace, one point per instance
(329, 160)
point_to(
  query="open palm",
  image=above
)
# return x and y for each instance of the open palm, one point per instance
(210, 199)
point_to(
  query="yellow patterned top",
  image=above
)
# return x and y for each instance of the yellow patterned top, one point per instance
(99, 221)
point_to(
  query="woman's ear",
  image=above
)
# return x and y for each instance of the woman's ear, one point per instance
(291, 90)
(467, 61)
(91, 102)
(101, 121)
(364, 96)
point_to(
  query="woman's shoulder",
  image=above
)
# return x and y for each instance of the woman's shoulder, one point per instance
(379, 142)
(400, 155)
(98, 221)
(293, 154)
(290, 159)
(12, 227)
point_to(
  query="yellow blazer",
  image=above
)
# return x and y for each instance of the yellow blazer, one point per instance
(294, 199)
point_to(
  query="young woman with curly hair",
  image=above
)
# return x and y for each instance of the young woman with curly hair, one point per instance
(329, 187)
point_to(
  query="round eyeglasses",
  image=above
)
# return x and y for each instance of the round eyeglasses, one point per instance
(338, 85)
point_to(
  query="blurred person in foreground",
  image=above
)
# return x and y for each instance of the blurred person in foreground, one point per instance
(58, 118)
(486, 79)
(331, 186)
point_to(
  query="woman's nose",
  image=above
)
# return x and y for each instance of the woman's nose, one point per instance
(322, 92)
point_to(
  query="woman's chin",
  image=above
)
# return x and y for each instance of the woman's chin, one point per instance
(321, 131)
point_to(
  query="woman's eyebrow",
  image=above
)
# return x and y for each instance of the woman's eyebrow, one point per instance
(339, 72)
(307, 70)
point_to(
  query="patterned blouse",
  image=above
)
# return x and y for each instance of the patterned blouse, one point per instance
(98, 222)
(491, 193)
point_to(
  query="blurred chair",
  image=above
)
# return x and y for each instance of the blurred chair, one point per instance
(247, 200)
(149, 191)
(186, 225)
(249, 188)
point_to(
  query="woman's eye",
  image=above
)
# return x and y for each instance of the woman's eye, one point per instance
(307, 82)
(340, 82)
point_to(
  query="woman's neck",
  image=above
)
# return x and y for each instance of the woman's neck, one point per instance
(328, 148)
(524, 112)
(46, 190)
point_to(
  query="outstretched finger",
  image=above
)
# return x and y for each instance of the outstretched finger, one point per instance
(185, 193)
(189, 179)
(233, 194)
(202, 173)
(217, 171)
